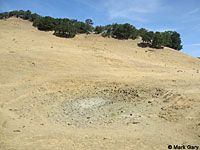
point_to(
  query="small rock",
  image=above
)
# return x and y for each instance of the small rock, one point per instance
(138, 139)
(135, 122)
(41, 124)
(16, 131)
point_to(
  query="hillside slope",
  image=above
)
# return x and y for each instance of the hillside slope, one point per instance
(91, 92)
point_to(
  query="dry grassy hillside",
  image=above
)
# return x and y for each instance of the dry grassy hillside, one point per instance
(91, 92)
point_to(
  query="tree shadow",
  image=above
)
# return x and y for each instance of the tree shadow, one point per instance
(62, 35)
(144, 45)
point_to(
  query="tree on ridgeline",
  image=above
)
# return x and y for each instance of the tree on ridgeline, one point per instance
(176, 41)
(81, 27)
(120, 31)
(13, 13)
(65, 29)
(1, 16)
(98, 29)
(167, 40)
(21, 14)
(36, 21)
(124, 31)
(147, 37)
(89, 22)
(27, 15)
(70, 27)
(33, 17)
(73, 21)
(142, 31)
(45, 23)
(4, 15)
(157, 40)
(89, 26)
(107, 31)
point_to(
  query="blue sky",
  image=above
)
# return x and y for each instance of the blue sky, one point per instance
(182, 16)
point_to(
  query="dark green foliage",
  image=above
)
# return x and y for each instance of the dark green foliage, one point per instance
(120, 31)
(27, 15)
(21, 14)
(88, 26)
(89, 21)
(123, 31)
(98, 29)
(157, 40)
(82, 27)
(4, 15)
(176, 41)
(33, 17)
(45, 23)
(142, 31)
(13, 13)
(65, 29)
(73, 21)
(107, 31)
(147, 37)
(1, 15)
(167, 40)
(36, 21)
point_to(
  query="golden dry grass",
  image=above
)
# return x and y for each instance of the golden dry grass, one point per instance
(151, 96)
